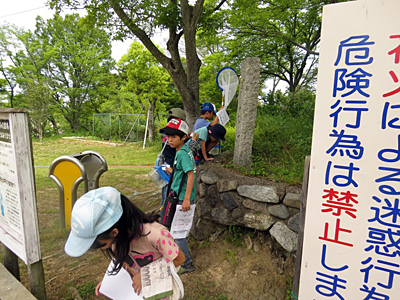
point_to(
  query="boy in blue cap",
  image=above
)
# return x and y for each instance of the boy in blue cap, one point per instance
(208, 111)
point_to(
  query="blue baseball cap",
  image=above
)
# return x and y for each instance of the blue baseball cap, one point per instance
(208, 106)
(93, 213)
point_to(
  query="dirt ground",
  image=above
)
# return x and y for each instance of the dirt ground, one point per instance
(223, 271)
(242, 264)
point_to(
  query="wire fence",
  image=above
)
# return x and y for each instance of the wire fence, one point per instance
(117, 126)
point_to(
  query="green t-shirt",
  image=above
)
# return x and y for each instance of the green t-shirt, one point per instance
(203, 134)
(184, 162)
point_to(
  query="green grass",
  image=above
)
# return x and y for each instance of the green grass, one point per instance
(86, 289)
(232, 257)
(204, 292)
(115, 154)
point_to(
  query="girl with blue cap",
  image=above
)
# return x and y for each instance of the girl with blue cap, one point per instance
(105, 219)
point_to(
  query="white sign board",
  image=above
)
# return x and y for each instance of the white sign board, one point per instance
(352, 224)
(18, 217)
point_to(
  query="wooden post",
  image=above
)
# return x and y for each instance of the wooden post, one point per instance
(36, 280)
(303, 205)
(11, 262)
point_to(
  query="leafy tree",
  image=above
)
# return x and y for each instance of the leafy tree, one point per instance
(146, 79)
(79, 67)
(9, 46)
(71, 56)
(3, 91)
(285, 34)
(141, 18)
(37, 96)
(28, 63)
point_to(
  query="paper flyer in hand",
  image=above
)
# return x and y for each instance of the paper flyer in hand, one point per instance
(182, 222)
(223, 116)
(118, 286)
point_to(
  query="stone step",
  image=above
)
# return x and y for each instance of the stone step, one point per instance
(11, 288)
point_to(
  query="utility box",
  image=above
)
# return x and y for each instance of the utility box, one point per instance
(68, 172)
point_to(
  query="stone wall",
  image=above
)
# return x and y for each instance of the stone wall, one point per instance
(225, 198)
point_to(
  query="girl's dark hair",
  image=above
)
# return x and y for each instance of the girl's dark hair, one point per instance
(130, 227)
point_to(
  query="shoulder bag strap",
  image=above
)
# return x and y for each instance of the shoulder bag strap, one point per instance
(182, 181)
(172, 178)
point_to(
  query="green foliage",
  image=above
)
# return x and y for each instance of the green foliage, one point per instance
(64, 66)
(235, 235)
(230, 136)
(289, 291)
(282, 137)
(143, 19)
(120, 126)
(146, 80)
(281, 141)
(203, 244)
(37, 99)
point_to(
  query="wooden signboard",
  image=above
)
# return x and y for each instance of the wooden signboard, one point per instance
(18, 214)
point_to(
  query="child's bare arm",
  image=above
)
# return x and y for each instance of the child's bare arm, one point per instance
(189, 187)
(216, 119)
(204, 151)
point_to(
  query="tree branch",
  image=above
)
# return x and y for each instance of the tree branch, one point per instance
(219, 5)
(139, 33)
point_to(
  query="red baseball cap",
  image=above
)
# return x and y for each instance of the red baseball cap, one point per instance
(175, 125)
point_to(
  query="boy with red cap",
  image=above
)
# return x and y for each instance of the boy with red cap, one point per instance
(177, 132)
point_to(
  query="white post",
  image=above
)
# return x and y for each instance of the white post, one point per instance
(147, 124)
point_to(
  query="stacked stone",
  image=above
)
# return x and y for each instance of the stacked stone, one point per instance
(224, 202)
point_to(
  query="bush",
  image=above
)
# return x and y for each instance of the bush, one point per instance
(282, 138)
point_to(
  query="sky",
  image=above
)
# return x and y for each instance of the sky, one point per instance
(22, 13)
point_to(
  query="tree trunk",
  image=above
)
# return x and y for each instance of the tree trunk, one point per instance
(54, 124)
(187, 83)
(40, 132)
(190, 18)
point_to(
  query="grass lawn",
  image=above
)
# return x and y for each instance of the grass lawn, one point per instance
(45, 152)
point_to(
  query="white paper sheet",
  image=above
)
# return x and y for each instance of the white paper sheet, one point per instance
(119, 286)
(182, 222)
